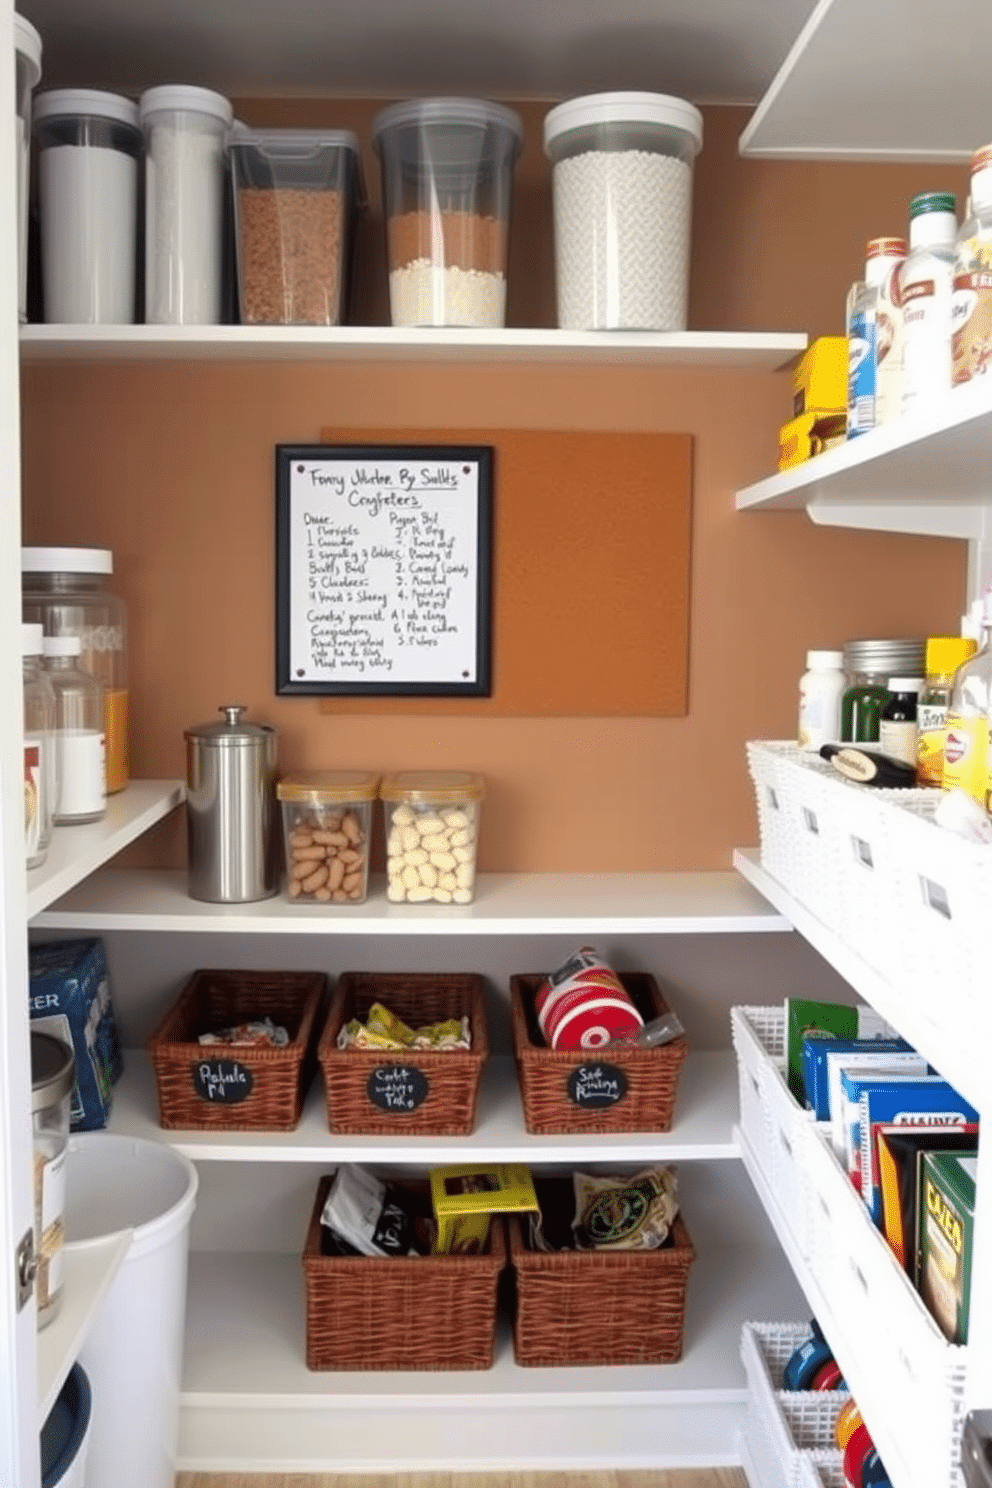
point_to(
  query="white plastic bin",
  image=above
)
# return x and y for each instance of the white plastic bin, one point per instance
(133, 1355)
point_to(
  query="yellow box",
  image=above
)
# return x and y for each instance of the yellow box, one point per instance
(819, 378)
(467, 1194)
(802, 438)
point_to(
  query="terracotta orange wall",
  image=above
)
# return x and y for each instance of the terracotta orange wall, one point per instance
(172, 467)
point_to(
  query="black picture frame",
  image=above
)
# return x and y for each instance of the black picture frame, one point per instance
(384, 570)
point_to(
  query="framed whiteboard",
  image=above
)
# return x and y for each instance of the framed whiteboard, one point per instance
(383, 569)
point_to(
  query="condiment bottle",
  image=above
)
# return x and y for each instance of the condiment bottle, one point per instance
(966, 736)
(39, 753)
(926, 282)
(869, 665)
(821, 688)
(944, 654)
(971, 303)
(897, 724)
(80, 745)
(871, 337)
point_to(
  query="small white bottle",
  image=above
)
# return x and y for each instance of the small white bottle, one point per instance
(821, 688)
(80, 744)
(926, 284)
(874, 339)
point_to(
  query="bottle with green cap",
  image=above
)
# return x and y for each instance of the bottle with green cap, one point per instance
(926, 285)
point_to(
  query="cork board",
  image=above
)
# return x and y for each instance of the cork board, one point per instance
(590, 574)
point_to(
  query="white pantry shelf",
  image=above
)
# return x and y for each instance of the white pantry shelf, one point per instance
(703, 1121)
(928, 99)
(584, 904)
(686, 350)
(77, 851)
(249, 1403)
(88, 1268)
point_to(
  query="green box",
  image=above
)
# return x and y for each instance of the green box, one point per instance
(946, 1219)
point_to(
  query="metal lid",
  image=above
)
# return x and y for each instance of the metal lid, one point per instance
(53, 1070)
(233, 733)
(896, 657)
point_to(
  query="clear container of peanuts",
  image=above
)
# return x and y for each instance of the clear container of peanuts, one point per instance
(432, 829)
(327, 822)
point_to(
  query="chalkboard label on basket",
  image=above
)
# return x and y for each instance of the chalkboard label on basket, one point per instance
(223, 1082)
(397, 1088)
(593, 1086)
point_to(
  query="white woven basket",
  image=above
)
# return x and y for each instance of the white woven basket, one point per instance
(784, 1426)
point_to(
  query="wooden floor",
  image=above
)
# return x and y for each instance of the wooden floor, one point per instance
(713, 1478)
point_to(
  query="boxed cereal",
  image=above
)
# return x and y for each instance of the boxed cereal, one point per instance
(69, 997)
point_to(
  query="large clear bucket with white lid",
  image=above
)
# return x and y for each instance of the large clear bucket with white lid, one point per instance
(621, 186)
(27, 56)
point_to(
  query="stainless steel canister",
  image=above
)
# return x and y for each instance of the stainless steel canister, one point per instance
(231, 810)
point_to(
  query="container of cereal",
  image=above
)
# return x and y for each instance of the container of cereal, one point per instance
(296, 196)
(432, 829)
(327, 822)
(447, 175)
(621, 186)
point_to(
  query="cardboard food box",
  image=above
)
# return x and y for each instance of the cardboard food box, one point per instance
(945, 1238)
(465, 1195)
(810, 434)
(900, 1152)
(69, 997)
(819, 378)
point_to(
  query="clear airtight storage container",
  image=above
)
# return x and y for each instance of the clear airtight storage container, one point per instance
(447, 175)
(296, 197)
(89, 153)
(327, 825)
(64, 590)
(27, 55)
(621, 185)
(432, 832)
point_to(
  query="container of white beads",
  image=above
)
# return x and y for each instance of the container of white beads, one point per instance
(432, 833)
(447, 176)
(621, 186)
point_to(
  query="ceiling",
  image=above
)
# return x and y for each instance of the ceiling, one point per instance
(710, 51)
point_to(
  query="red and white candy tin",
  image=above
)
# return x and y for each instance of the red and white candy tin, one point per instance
(584, 1005)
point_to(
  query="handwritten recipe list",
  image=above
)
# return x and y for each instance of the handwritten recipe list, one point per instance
(384, 571)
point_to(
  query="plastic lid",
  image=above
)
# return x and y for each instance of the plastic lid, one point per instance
(316, 787)
(65, 1428)
(53, 1070)
(28, 43)
(905, 684)
(824, 659)
(294, 141)
(31, 640)
(932, 201)
(67, 560)
(432, 787)
(233, 731)
(886, 248)
(91, 102)
(625, 108)
(472, 111)
(170, 97)
(63, 645)
(946, 653)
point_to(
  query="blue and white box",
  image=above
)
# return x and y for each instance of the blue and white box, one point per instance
(69, 997)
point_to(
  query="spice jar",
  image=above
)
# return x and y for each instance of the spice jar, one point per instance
(80, 744)
(52, 1077)
(186, 132)
(869, 665)
(63, 589)
(39, 756)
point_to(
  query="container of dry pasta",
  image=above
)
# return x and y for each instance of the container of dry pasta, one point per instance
(327, 825)
(599, 1306)
(400, 1312)
(615, 1088)
(237, 1050)
(297, 195)
(404, 1089)
(432, 833)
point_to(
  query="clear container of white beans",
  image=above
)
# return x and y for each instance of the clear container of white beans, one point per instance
(432, 832)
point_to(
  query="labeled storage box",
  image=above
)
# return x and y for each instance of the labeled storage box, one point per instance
(297, 193)
(618, 1088)
(599, 1306)
(410, 1312)
(221, 1086)
(409, 1091)
(69, 998)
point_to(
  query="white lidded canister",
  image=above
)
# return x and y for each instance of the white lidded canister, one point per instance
(186, 182)
(89, 149)
(621, 185)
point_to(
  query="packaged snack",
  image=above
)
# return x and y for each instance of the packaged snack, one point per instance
(382, 1029)
(945, 1239)
(366, 1216)
(465, 1195)
(806, 1017)
(625, 1213)
(584, 1005)
(258, 1034)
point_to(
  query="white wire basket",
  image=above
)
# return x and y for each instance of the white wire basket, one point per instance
(783, 1427)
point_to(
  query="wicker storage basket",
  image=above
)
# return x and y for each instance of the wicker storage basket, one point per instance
(416, 1312)
(445, 1082)
(599, 1306)
(223, 1087)
(641, 1084)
